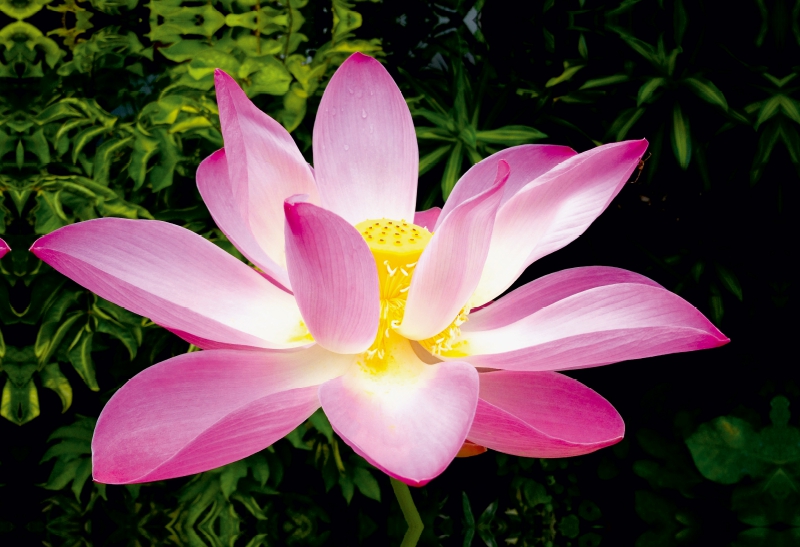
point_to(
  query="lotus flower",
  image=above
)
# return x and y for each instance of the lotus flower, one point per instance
(357, 304)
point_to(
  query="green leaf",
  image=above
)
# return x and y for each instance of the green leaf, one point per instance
(321, 424)
(681, 137)
(63, 473)
(608, 80)
(81, 358)
(569, 72)
(82, 473)
(52, 378)
(433, 133)
(54, 112)
(722, 450)
(230, 476)
(121, 333)
(428, 161)
(768, 109)
(469, 520)
(625, 122)
(104, 157)
(83, 138)
(366, 483)
(510, 135)
(347, 486)
(729, 281)
(452, 170)
(19, 404)
(647, 90)
(680, 21)
(707, 91)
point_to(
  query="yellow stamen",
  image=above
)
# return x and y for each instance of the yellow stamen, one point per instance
(395, 258)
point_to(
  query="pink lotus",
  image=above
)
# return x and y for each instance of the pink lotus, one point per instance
(403, 368)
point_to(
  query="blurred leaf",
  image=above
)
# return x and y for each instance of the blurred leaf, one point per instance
(729, 281)
(707, 91)
(510, 135)
(452, 169)
(52, 378)
(681, 137)
(80, 355)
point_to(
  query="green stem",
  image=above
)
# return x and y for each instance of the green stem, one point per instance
(410, 513)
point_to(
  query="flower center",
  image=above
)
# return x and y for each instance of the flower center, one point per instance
(396, 246)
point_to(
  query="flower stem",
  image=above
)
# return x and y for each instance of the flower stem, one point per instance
(410, 513)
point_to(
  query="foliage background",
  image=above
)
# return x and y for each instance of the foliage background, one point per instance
(107, 107)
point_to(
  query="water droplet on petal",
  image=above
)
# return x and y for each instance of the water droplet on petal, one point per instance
(372, 92)
(347, 147)
(350, 89)
(370, 128)
(363, 113)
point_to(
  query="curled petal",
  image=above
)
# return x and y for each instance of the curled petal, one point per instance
(427, 219)
(547, 290)
(205, 409)
(334, 277)
(527, 162)
(598, 326)
(450, 266)
(542, 415)
(265, 167)
(217, 191)
(365, 148)
(410, 426)
(176, 278)
(553, 210)
(4, 248)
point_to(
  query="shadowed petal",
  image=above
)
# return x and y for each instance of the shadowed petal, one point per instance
(427, 219)
(176, 278)
(205, 409)
(553, 210)
(547, 290)
(450, 266)
(264, 164)
(526, 162)
(603, 325)
(334, 277)
(365, 148)
(4, 248)
(542, 415)
(217, 192)
(410, 427)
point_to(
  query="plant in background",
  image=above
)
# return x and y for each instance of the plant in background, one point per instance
(375, 328)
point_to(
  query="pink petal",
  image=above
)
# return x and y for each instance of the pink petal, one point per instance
(205, 409)
(4, 248)
(547, 290)
(450, 266)
(176, 278)
(334, 277)
(554, 210)
(217, 192)
(595, 327)
(427, 219)
(542, 415)
(265, 167)
(527, 162)
(409, 426)
(365, 148)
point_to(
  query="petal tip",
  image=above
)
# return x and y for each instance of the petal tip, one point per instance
(359, 57)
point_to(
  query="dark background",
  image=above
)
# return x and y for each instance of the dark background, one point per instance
(707, 217)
